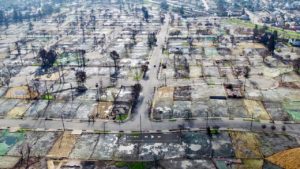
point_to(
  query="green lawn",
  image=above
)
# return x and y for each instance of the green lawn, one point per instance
(242, 23)
(122, 117)
(130, 165)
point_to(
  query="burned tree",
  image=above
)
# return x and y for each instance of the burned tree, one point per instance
(48, 58)
(137, 88)
(255, 33)
(188, 26)
(151, 40)
(81, 78)
(81, 58)
(133, 35)
(144, 70)
(296, 65)
(175, 33)
(115, 57)
(190, 41)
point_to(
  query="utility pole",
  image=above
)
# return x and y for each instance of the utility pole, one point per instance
(104, 126)
(97, 95)
(165, 80)
(251, 122)
(72, 91)
(62, 120)
(206, 119)
(140, 123)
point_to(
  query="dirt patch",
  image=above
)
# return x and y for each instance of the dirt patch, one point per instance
(164, 94)
(256, 110)
(8, 162)
(251, 45)
(20, 109)
(195, 71)
(250, 164)
(288, 159)
(63, 146)
(22, 92)
(50, 77)
(245, 144)
(103, 110)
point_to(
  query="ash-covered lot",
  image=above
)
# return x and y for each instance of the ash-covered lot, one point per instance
(189, 149)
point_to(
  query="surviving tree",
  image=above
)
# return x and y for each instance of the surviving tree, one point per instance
(146, 13)
(271, 44)
(164, 5)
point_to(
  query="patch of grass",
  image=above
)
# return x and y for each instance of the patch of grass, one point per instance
(151, 103)
(110, 86)
(137, 77)
(211, 84)
(214, 131)
(20, 131)
(102, 131)
(135, 133)
(180, 68)
(256, 120)
(185, 44)
(137, 165)
(121, 164)
(36, 64)
(23, 129)
(56, 63)
(64, 55)
(278, 50)
(166, 52)
(288, 44)
(122, 117)
(47, 97)
(172, 120)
